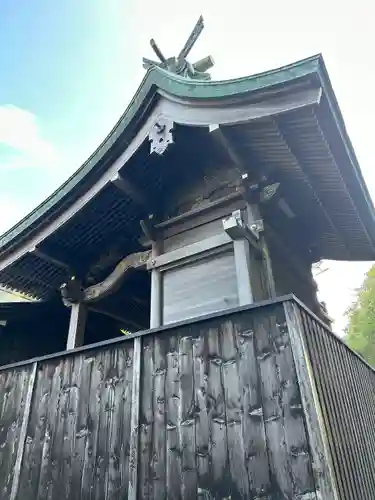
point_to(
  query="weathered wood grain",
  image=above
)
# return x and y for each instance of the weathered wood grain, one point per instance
(215, 409)
(234, 410)
(78, 433)
(345, 388)
(172, 399)
(287, 440)
(189, 475)
(146, 420)
(253, 426)
(14, 405)
(134, 423)
(158, 404)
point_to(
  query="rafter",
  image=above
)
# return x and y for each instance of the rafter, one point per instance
(126, 187)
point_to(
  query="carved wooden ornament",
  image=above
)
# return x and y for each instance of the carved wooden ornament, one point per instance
(161, 136)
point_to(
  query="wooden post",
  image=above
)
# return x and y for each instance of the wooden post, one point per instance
(243, 272)
(323, 469)
(134, 421)
(23, 433)
(156, 291)
(76, 334)
(253, 215)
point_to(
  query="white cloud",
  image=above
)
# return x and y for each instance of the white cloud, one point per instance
(23, 140)
(11, 211)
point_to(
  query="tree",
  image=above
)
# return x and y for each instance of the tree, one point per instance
(360, 332)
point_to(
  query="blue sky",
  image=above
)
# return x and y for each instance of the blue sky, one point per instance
(61, 88)
(69, 68)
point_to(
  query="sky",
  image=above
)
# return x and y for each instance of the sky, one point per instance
(70, 67)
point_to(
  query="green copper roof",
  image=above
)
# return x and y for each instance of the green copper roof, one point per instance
(157, 78)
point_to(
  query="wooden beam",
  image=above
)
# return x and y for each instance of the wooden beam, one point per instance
(126, 187)
(187, 251)
(219, 137)
(48, 258)
(77, 325)
(116, 317)
(112, 282)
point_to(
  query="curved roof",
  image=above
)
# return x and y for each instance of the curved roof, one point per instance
(311, 142)
(154, 80)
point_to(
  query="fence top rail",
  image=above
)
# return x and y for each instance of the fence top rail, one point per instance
(172, 326)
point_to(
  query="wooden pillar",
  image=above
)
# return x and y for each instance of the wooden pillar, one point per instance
(253, 215)
(77, 325)
(243, 271)
(156, 319)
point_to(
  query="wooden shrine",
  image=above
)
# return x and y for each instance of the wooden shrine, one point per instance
(175, 347)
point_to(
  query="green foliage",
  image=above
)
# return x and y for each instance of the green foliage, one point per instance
(360, 333)
(124, 331)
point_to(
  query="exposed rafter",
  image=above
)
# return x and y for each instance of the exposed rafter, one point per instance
(126, 187)
(48, 258)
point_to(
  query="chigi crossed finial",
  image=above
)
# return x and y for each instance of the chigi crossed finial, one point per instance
(179, 65)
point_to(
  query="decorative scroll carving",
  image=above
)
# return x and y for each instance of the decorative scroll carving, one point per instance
(72, 292)
(161, 136)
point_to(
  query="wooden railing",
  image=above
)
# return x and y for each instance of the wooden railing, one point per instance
(346, 389)
(226, 406)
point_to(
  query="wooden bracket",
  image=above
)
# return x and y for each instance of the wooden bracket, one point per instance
(236, 229)
(71, 292)
(112, 282)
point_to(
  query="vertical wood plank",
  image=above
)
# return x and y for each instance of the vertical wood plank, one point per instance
(84, 426)
(36, 432)
(13, 396)
(271, 393)
(88, 483)
(234, 411)
(189, 477)
(172, 395)
(202, 432)
(23, 432)
(158, 404)
(296, 439)
(146, 420)
(46, 484)
(253, 421)
(134, 423)
(215, 392)
(323, 472)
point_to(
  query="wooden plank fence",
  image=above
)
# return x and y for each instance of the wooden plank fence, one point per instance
(220, 407)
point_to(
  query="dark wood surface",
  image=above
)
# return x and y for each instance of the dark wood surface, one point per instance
(13, 394)
(346, 389)
(220, 416)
